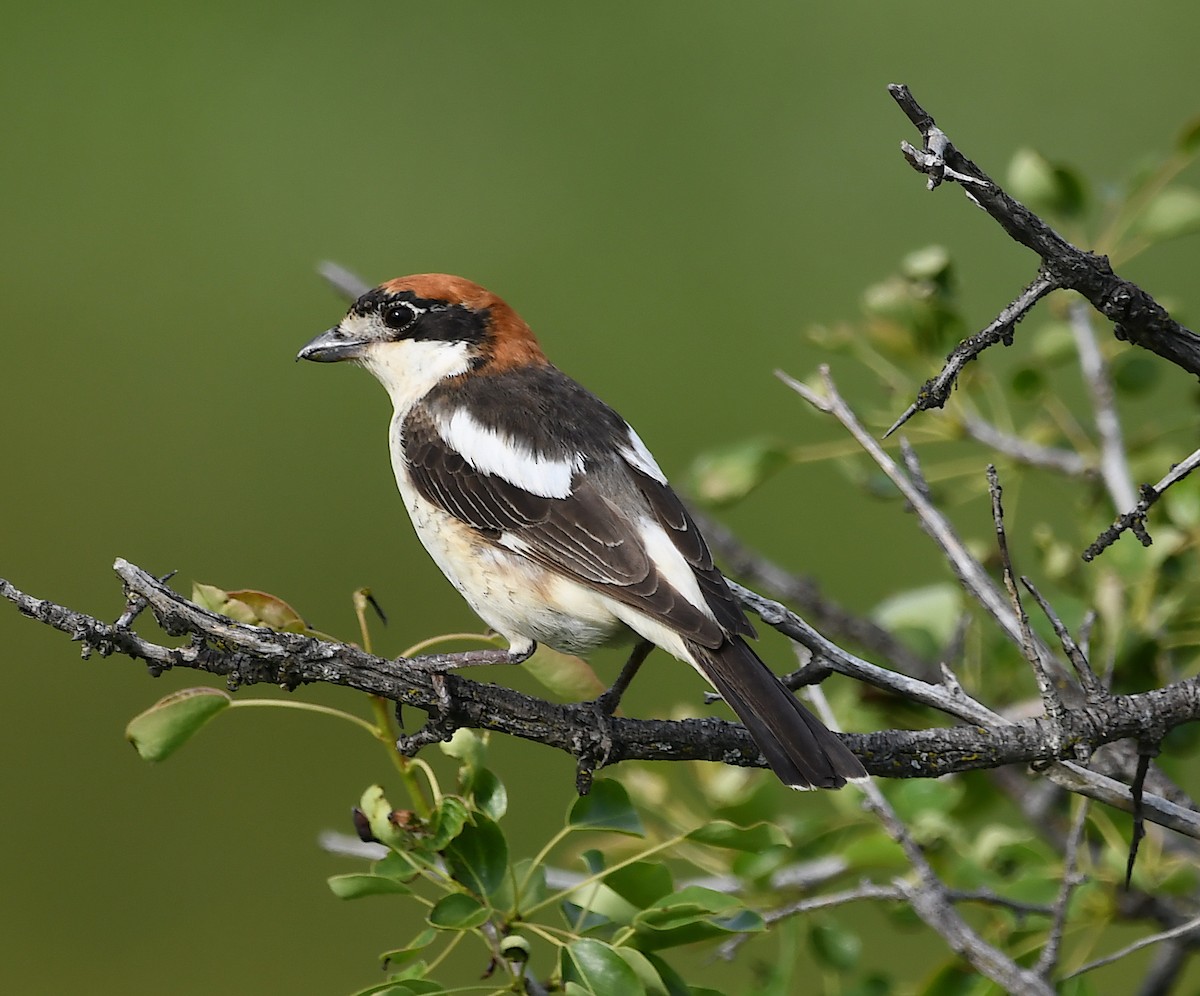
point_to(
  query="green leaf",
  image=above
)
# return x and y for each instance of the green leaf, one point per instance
(269, 610)
(448, 821)
(597, 969)
(394, 988)
(172, 721)
(692, 914)
(478, 857)
(360, 884)
(759, 866)
(672, 981)
(396, 865)
(466, 746)
(891, 299)
(1183, 506)
(927, 807)
(642, 883)
(404, 987)
(515, 949)
(1028, 382)
(489, 794)
(690, 902)
(952, 979)
(209, 596)
(726, 475)
(722, 833)
(647, 972)
(1031, 177)
(458, 911)
(397, 829)
(834, 946)
(875, 984)
(594, 907)
(256, 608)
(568, 677)
(606, 807)
(933, 610)
(1044, 185)
(1172, 213)
(873, 850)
(400, 956)
(1135, 374)
(931, 263)
(1053, 343)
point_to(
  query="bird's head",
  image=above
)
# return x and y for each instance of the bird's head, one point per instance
(413, 332)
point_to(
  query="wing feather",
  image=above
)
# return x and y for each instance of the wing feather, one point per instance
(602, 532)
(584, 536)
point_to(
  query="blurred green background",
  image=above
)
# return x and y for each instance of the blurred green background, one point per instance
(669, 193)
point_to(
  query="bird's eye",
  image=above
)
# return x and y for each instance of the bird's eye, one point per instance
(398, 316)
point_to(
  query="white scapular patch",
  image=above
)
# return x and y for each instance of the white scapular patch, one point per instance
(636, 455)
(671, 565)
(491, 452)
(410, 368)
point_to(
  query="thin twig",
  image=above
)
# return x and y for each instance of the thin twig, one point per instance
(347, 283)
(975, 580)
(874, 891)
(953, 701)
(1025, 452)
(1051, 701)
(1071, 878)
(912, 466)
(137, 605)
(928, 895)
(1116, 794)
(1145, 942)
(1092, 686)
(1135, 518)
(1114, 468)
(934, 393)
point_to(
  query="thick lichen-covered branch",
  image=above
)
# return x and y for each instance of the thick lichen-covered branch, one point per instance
(247, 655)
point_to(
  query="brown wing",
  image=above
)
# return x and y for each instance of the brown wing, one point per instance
(586, 536)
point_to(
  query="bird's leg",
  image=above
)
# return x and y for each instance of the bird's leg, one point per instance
(608, 702)
(592, 757)
(441, 663)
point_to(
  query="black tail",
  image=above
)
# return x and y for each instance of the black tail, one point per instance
(795, 743)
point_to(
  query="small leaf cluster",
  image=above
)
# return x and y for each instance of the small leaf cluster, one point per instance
(602, 931)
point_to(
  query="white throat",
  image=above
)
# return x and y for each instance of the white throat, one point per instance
(411, 368)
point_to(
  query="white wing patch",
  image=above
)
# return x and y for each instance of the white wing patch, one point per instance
(636, 455)
(491, 452)
(671, 564)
